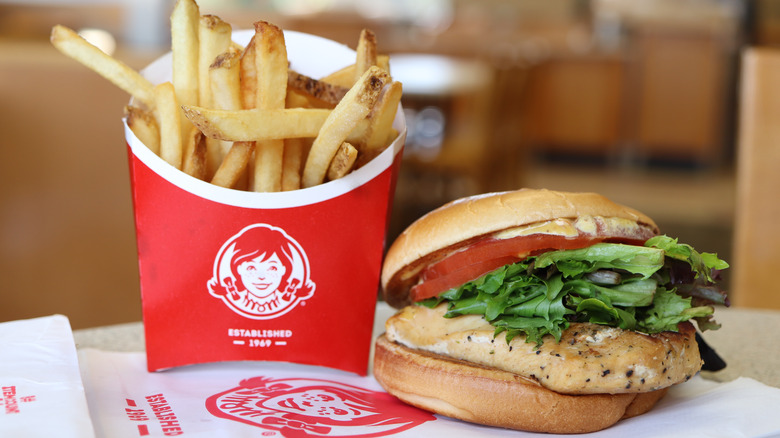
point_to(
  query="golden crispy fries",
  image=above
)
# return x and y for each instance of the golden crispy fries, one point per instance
(383, 62)
(294, 151)
(297, 99)
(267, 175)
(325, 92)
(271, 89)
(354, 107)
(194, 160)
(144, 126)
(71, 44)
(343, 161)
(224, 81)
(214, 38)
(380, 124)
(366, 53)
(271, 66)
(185, 19)
(235, 47)
(248, 74)
(234, 165)
(167, 114)
(249, 125)
(345, 77)
(239, 117)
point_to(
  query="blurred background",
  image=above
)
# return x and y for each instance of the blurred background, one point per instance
(636, 100)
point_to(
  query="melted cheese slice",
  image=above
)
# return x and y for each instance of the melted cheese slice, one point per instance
(589, 359)
(559, 227)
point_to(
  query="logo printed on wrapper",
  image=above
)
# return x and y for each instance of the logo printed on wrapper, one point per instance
(261, 273)
(9, 400)
(302, 407)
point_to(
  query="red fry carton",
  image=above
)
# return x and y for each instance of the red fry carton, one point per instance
(228, 275)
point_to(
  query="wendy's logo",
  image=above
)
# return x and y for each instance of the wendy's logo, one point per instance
(261, 273)
(302, 408)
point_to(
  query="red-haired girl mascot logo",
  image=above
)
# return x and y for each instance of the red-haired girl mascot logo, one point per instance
(261, 273)
(303, 408)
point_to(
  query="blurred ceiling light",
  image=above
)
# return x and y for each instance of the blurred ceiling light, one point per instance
(438, 75)
(431, 15)
(100, 38)
(301, 7)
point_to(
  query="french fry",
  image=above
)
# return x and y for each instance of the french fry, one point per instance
(185, 20)
(366, 53)
(249, 125)
(354, 107)
(71, 44)
(214, 38)
(248, 74)
(235, 47)
(292, 163)
(267, 175)
(271, 66)
(383, 62)
(342, 162)
(322, 91)
(167, 114)
(345, 76)
(234, 165)
(144, 126)
(224, 81)
(238, 116)
(297, 99)
(194, 159)
(380, 123)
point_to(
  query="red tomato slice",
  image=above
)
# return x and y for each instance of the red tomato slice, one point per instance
(434, 286)
(488, 255)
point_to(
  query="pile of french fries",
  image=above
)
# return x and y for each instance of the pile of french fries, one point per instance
(239, 117)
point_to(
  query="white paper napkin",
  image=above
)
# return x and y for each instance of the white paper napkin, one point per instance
(41, 393)
(211, 401)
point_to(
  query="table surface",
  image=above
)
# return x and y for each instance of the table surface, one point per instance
(747, 341)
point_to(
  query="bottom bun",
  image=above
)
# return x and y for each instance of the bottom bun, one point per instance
(493, 397)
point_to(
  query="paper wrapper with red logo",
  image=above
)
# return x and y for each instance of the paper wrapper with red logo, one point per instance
(41, 391)
(230, 275)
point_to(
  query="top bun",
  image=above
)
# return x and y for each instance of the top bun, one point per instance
(476, 216)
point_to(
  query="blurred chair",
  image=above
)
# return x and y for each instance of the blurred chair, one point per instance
(756, 259)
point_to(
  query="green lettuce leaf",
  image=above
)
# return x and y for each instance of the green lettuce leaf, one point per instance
(668, 310)
(701, 263)
(634, 259)
(631, 289)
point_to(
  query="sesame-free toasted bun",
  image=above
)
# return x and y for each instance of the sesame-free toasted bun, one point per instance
(489, 396)
(472, 217)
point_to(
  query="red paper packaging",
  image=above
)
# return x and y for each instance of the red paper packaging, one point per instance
(231, 275)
